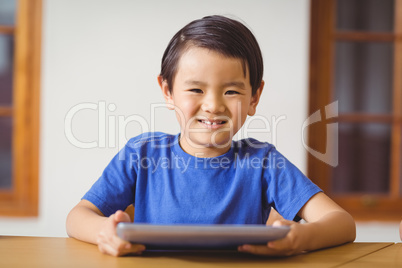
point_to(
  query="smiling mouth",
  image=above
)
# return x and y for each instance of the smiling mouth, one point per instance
(212, 122)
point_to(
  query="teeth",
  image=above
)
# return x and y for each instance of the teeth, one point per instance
(211, 123)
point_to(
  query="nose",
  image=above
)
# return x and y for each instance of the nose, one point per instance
(213, 104)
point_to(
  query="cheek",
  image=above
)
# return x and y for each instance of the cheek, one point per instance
(186, 110)
(189, 109)
(239, 111)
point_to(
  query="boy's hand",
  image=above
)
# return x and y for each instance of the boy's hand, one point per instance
(108, 241)
(287, 246)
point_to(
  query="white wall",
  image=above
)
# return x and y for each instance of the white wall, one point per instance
(109, 51)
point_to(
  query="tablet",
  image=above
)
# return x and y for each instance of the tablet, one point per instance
(215, 236)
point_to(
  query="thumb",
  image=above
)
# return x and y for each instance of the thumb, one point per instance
(121, 216)
(281, 223)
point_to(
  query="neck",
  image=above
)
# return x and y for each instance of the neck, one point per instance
(201, 150)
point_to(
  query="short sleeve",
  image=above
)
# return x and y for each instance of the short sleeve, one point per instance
(287, 189)
(115, 189)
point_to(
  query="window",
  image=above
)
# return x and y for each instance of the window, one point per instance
(356, 59)
(20, 30)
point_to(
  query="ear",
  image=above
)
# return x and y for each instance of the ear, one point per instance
(255, 99)
(166, 93)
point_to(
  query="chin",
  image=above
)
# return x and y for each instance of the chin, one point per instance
(218, 142)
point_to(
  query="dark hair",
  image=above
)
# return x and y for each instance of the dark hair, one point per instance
(218, 33)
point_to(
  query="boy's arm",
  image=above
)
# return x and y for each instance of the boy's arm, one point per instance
(84, 221)
(327, 225)
(400, 230)
(87, 223)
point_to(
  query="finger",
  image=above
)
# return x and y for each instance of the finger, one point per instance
(119, 243)
(278, 223)
(108, 249)
(134, 248)
(121, 216)
(130, 249)
(285, 242)
(279, 245)
(258, 250)
(122, 249)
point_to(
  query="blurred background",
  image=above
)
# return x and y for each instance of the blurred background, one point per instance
(78, 78)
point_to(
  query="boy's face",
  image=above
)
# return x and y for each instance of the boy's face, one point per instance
(212, 98)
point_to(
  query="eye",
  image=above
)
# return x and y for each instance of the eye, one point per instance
(231, 92)
(196, 90)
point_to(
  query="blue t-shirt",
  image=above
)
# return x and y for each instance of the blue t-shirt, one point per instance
(169, 186)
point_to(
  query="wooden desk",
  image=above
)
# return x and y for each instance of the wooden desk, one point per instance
(68, 252)
(387, 257)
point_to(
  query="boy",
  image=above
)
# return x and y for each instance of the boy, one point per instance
(211, 76)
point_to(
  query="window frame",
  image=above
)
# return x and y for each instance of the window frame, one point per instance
(22, 199)
(323, 35)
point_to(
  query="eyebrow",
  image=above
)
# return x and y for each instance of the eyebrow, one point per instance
(240, 85)
(195, 83)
